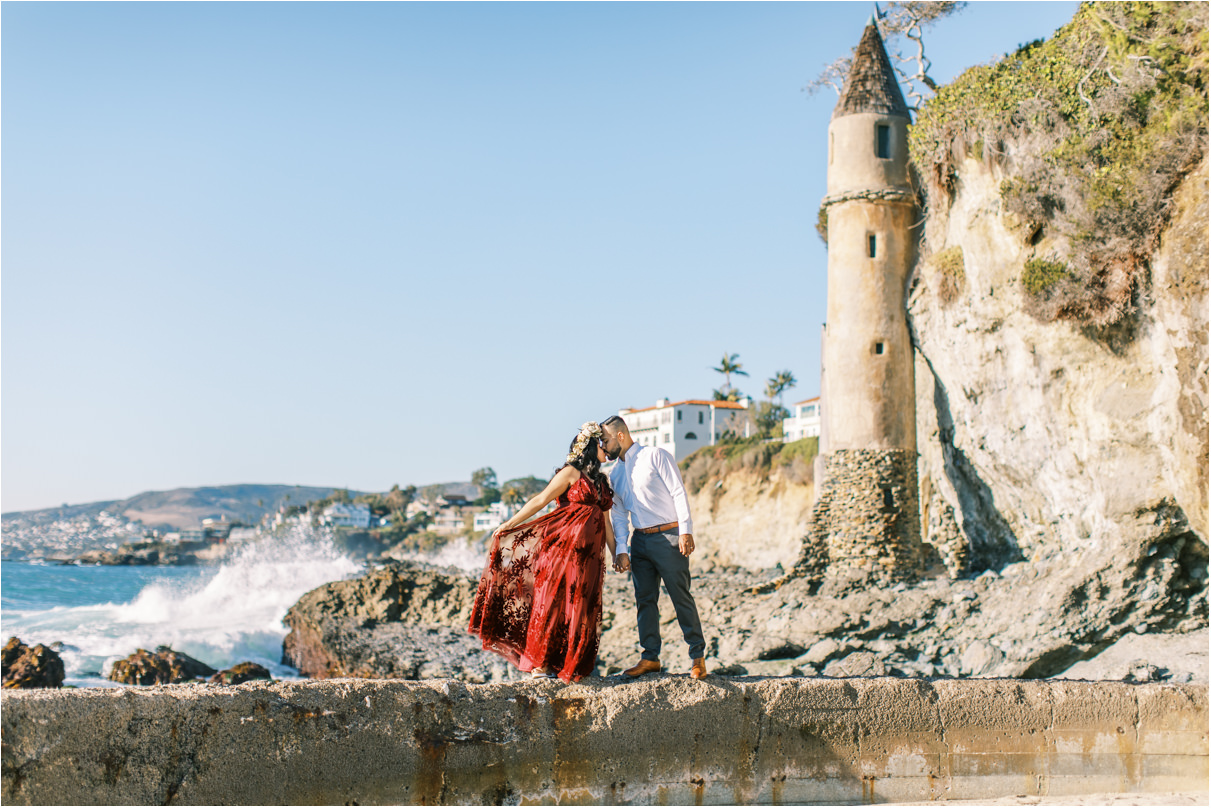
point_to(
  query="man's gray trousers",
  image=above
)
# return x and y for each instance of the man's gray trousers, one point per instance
(655, 557)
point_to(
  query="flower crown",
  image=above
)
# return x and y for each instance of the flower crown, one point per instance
(589, 429)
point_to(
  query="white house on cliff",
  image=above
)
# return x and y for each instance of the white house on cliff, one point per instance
(683, 426)
(804, 421)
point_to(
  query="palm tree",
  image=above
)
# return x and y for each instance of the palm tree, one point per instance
(727, 367)
(782, 381)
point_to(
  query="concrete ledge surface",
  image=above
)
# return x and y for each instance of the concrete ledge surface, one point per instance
(659, 740)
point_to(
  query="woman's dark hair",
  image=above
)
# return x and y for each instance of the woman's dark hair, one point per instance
(588, 464)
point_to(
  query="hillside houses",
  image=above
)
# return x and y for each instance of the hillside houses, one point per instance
(493, 517)
(453, 515)
(448, 516)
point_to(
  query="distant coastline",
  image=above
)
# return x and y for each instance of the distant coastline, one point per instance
(70, 532)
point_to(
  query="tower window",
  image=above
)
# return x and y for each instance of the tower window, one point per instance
(690, 436)
(678, 415)
(883, 141)
(888, 501)
(699, 417)
(870, 245)
(878, 348)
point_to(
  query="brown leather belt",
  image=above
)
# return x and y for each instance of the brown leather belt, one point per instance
(657, 528)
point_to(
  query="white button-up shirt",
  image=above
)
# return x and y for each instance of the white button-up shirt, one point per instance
(647, 485)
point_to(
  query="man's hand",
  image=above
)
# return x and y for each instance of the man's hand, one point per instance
(686, 544)
(622, 562)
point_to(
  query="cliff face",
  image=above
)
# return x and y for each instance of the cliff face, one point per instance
(751, 519)
(1060, 308)
(1046, 440)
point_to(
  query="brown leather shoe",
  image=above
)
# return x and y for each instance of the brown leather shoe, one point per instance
(644, 666)
(698, 669)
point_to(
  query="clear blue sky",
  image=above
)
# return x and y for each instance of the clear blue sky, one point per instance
(356, 244)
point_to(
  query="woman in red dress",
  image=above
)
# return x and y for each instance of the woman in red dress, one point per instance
(539, 600)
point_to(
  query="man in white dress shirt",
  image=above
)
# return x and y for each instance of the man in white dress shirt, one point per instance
(647, 485)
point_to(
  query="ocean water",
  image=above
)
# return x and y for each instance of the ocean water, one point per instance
(219, 615)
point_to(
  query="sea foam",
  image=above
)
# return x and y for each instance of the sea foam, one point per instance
(221, 617)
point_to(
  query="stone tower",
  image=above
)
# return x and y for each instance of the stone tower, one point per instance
(867, 514)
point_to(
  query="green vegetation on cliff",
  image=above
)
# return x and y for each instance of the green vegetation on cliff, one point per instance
(1094, 129)
(1039, 275)
(952, 272)
(755, 455)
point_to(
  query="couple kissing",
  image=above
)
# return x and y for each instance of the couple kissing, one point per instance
(538, 604)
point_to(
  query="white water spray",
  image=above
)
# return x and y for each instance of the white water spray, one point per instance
(465, 554)
(230, 616)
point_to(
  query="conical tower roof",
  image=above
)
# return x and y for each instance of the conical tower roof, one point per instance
(871, 85)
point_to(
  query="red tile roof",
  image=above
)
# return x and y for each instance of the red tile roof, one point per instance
(806, 401)
(721, 405)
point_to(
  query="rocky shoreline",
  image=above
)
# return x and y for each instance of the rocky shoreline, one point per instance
(40, 668)
(404, 620)
(1139, 618)
(148, 553)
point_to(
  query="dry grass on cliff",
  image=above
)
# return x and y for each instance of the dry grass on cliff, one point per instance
(1094, 130)
(753, 456)
(951, 273)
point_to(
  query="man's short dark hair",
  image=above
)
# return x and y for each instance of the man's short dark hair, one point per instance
(615, 423)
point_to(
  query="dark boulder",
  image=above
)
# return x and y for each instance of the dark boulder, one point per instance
(399, 592)
(399, 621)
(164, 667)
(238, 674)
(26, 667)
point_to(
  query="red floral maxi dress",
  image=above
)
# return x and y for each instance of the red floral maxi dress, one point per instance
(539, 600)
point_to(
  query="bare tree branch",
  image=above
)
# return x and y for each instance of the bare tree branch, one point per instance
(910, 19)
(831, 76)
(906, 19)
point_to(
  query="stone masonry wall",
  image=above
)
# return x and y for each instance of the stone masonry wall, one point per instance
(867, 517)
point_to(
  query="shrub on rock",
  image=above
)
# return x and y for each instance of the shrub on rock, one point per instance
(164, 667)
(25, 667)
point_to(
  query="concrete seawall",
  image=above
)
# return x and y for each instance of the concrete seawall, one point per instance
(663, 740)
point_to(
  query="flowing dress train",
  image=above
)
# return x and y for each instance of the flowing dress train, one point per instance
(538, 604)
